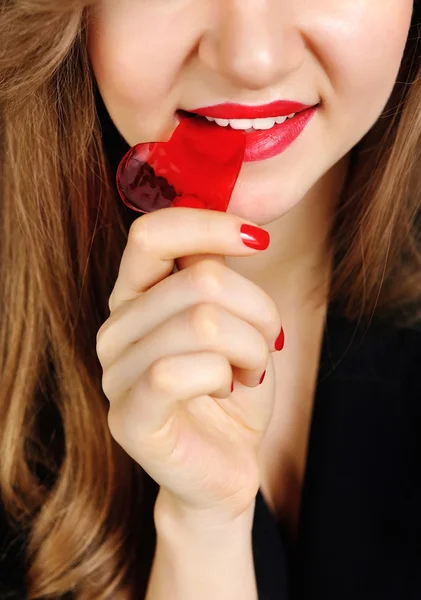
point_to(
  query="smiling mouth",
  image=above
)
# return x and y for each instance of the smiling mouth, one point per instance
(271, 139)
(249, 126)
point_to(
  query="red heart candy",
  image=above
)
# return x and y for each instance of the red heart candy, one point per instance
(197, 167)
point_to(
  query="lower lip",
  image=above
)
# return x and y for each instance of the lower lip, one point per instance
(266, 143)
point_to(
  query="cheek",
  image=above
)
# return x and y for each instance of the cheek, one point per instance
(122, 65)
(137, 54)
(361, 44)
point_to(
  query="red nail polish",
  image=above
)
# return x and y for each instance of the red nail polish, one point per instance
(254, 237)
(279, 344)
(232, 386)
(262, 378)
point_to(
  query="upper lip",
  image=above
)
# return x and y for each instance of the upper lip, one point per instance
(280, 108)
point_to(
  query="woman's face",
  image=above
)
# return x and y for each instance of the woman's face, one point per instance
(154, 57)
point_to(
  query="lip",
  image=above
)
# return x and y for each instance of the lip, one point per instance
(280, 108)
(266, 143)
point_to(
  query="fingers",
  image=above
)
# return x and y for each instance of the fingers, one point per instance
(155, 395)
(156, 239)
(205, 327)
(205, 282)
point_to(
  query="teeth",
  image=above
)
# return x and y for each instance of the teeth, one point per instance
(246, 124)
(263, 123)
(222, 122)
(239, 123)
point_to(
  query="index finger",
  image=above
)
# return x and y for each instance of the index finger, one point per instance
(156, 239)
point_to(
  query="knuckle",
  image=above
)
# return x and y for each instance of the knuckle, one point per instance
(272, 317)
(140, 234)
(107, 384)
(160, 376)
(99, 336)
(105, 333)
(204, 320)
(100, 340)
(206, 278)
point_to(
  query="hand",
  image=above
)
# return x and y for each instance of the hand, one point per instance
(169, 351)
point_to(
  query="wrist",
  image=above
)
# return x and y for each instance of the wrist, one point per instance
(201, 555)
(174, 519)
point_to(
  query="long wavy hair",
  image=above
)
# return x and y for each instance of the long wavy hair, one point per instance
(70, 488)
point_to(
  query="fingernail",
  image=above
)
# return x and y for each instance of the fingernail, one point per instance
(254, 237)
(262, 378)
(279, 344)
(232, 386)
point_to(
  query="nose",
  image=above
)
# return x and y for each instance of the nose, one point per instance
(253, 43)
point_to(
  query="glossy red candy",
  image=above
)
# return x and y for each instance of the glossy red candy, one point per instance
(197, 167)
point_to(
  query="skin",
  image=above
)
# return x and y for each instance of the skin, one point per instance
(345, 55)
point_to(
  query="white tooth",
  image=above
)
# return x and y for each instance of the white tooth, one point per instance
(249, 125)
(241, 123)
(263, 123)
(291, 115)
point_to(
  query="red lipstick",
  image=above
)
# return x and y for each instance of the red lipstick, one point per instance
(263, 143)
(281, 108)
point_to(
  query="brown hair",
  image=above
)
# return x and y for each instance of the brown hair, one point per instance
(70, 486)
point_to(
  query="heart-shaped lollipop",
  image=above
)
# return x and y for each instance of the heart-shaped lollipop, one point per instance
(197, 167)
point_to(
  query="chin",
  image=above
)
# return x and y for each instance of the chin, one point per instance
(259, 207)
